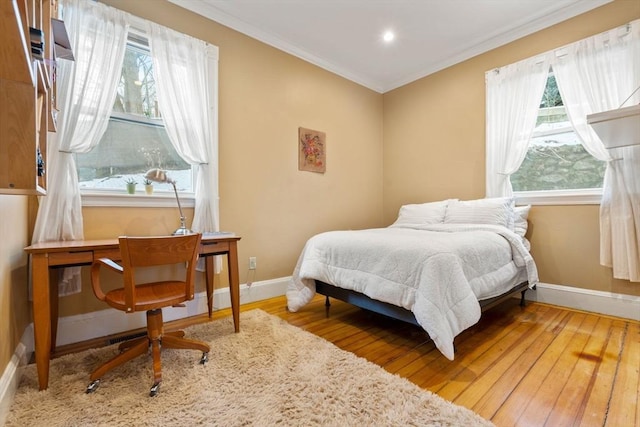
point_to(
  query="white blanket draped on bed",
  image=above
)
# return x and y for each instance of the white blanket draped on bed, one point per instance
(439, 272)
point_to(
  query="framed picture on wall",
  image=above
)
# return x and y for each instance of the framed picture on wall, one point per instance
(312, 150)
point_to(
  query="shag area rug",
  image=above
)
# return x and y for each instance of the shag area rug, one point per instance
(271, 373)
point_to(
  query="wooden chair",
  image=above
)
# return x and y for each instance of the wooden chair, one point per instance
(140, 252)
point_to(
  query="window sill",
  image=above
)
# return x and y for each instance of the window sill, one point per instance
(559, 197)
(140, 199)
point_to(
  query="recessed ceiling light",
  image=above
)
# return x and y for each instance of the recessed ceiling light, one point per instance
(388, 36)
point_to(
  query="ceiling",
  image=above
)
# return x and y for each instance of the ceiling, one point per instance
(345, 36)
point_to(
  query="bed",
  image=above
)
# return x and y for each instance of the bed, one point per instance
(436, 266)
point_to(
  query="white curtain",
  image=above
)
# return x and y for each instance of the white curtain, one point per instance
(186, 82)
(513, 99)
(594, 75)
(86, 93)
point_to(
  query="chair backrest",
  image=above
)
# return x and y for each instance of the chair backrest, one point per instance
(157, 251)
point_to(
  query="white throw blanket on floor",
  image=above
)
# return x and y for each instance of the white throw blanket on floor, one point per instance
(439, 272)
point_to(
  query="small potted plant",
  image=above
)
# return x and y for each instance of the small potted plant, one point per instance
(131, 185)
(148, 186)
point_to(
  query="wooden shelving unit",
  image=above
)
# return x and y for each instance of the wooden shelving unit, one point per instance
(26, 96)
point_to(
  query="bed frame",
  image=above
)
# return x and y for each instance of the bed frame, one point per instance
(360, 300)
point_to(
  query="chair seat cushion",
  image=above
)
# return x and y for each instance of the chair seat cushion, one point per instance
(150, 296)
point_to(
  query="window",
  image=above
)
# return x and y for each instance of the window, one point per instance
(556, 159)
(135, 140)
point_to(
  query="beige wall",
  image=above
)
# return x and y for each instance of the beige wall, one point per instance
(265, 95)
(434, 148)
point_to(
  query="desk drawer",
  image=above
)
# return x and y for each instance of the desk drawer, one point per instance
(70, 258)
(210, 248)
(113, 254)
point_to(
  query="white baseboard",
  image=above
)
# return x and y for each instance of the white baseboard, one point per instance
(97, 324)
(608, 303)
(82, 327)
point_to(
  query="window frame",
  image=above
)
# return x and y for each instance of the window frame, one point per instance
(119, 198)
(584, 196)
(576, 196)
(93, 197)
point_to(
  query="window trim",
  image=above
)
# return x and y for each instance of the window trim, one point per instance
(134, 118)
(117, 198)
(552, 132)
(586, 196)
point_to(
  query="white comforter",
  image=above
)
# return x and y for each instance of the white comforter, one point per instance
(439, 272)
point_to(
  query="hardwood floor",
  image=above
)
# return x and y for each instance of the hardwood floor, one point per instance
(537, 365)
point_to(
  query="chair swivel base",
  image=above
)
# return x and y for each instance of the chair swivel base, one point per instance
(155, 340)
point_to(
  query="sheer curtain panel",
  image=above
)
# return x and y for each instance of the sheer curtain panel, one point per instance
(599, 74)
(513, 99)
(86, 93)
(186, 81)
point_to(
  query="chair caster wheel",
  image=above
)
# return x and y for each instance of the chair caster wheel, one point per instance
(155, 388)
(93, 386)
(204, 359)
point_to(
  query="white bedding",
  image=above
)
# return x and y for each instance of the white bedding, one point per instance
(439, 272)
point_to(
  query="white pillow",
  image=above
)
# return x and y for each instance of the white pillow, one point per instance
(521, 213)
(520, 224)
(493, 211)
(416, 215)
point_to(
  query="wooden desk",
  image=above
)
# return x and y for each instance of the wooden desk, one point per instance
(47, 256)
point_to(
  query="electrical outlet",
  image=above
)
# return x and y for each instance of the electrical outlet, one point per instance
(252, 263)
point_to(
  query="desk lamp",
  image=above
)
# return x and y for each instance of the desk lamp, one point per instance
(160, 176)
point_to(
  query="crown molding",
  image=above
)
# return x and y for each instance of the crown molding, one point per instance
(494, 40)
(208, 11)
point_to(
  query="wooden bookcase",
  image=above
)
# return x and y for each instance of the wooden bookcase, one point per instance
(27, 96)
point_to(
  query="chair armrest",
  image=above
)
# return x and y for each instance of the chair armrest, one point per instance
(95, 275)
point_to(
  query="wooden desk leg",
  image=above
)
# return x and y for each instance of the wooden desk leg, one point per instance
(54, 275)
(41, 316)
(209, 274)
(234, 284)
